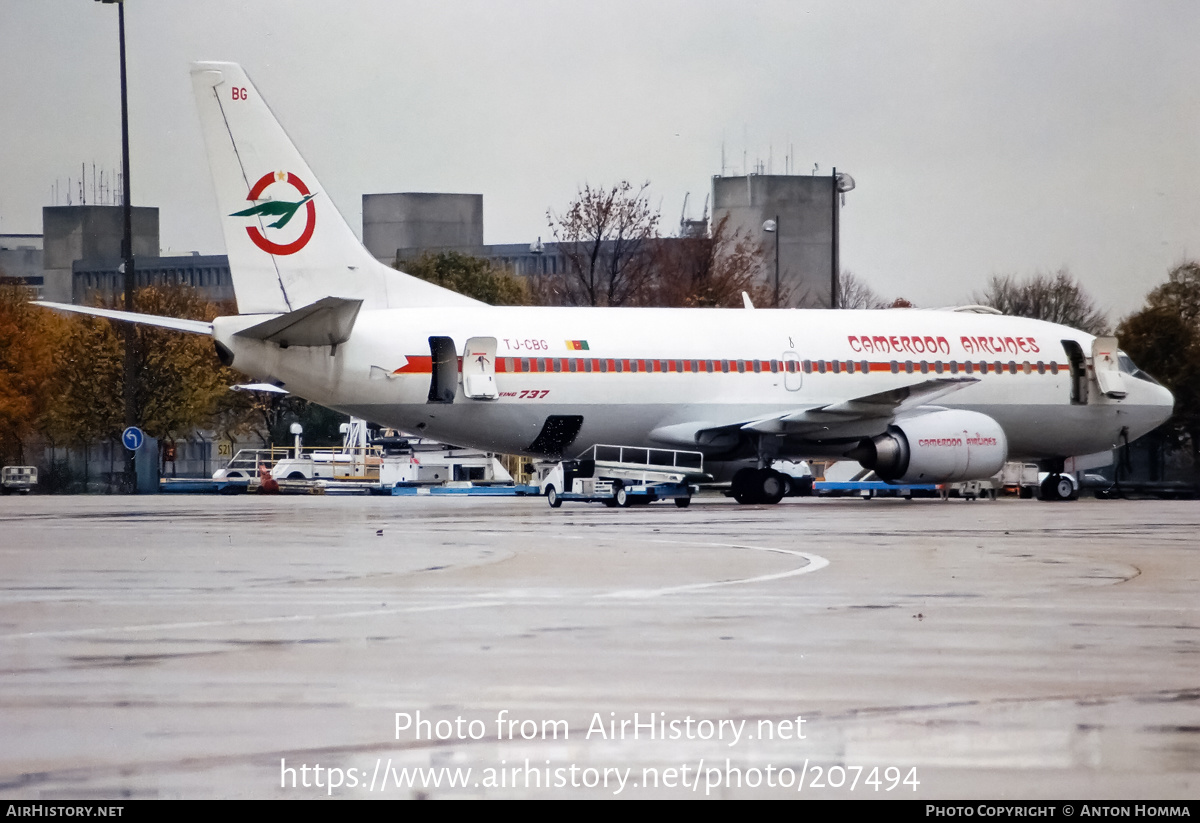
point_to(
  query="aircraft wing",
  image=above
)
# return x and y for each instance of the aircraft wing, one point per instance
(872, 407)
(857, 417)
(178, 324)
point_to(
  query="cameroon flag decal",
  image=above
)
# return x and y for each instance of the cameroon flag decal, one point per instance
(577, 345)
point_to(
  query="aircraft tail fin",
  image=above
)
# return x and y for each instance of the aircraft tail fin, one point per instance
(288, 245)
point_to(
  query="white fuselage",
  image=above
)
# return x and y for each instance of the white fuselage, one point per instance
(655, 376)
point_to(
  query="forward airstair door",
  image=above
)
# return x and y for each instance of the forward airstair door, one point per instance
(479, 369)
(1108, 367)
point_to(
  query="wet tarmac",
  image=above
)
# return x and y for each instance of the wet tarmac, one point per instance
(247, 647)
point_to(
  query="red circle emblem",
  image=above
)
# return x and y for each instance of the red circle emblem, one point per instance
(310, 208)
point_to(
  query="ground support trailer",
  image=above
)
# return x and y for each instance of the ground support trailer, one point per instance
(623, 476)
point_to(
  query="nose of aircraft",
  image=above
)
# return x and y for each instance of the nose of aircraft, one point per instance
(1163, 403)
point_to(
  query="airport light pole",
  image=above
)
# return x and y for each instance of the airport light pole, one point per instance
(772, 227)
(131, 372)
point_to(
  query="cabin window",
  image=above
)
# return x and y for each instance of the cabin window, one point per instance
(1041, 367)
(895, 367)
(808, 367)
(908, 367)
(821, 366)
(1012, 366)
(757, 366)
(1054, 368)
(557, 365)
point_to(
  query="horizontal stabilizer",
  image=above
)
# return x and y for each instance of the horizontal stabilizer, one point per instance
(326, 322)
(271, 388)
(176, 323)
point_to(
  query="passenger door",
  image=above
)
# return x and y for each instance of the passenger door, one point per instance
(479, 369)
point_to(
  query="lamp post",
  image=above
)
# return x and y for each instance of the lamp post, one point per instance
(131, 375)
(772, 227)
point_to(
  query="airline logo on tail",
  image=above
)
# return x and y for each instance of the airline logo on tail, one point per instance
(284, 210)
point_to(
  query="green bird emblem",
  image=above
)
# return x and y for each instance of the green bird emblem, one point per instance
(282, 209)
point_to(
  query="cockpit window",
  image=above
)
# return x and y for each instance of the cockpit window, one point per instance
(1127, 366)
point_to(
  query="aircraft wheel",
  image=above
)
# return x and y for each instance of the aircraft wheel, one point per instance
(771, 486)
(743, 486)
(623, 498)
(1058, 487)
(1048, 490)
(552, 497)
(683, 502)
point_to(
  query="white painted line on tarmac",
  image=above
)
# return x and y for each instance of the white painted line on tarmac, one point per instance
(814, 563)
(248, 621)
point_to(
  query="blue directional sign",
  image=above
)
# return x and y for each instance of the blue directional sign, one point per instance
(133, 438)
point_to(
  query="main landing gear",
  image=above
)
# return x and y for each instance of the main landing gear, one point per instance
(759, 486)
(1058, 487)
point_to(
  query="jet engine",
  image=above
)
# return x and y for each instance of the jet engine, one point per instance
(937, 447)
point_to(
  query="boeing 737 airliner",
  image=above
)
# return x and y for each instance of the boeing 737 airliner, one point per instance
(918, 396)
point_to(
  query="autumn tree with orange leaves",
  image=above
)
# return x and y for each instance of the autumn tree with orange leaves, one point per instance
(28, 340)
(181, 384)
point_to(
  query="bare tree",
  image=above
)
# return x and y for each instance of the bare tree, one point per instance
(606, 239)
(855, 294)
(1056, 297)
(709, 270)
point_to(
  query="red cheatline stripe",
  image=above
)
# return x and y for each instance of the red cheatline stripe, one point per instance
(423, 364)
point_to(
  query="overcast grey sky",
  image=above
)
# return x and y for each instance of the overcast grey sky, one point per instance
(985, 137)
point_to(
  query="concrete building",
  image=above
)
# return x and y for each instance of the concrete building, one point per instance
(806, 211)
(405, 226)
(206, 273)
(21, 261)
(395, 223)
(73, 233)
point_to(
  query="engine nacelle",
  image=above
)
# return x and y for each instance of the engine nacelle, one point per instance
(938, 447)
